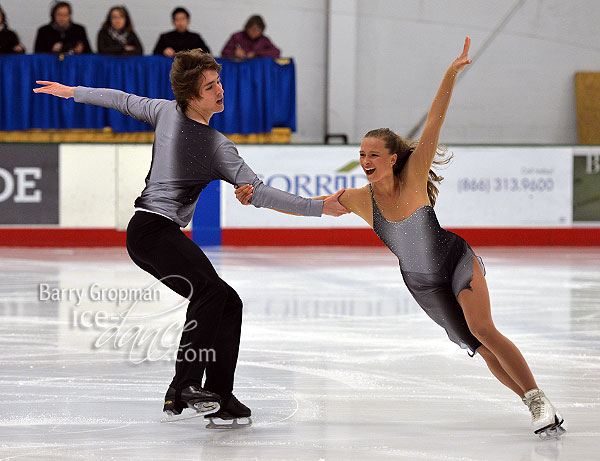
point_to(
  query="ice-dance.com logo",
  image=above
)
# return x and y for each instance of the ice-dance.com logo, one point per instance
(144, 336)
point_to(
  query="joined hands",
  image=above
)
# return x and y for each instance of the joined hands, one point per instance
(331, 204)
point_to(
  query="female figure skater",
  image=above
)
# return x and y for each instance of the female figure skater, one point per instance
(187, 154)
(439, 268)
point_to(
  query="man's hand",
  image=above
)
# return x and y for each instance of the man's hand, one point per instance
(57, 47)
(332, 206)
(79, 48)
(169, 52)
(244, 193)
(55, 89)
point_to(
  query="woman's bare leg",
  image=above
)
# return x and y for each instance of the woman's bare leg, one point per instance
(498, 371)
(476, 307)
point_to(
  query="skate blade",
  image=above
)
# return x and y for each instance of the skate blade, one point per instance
(200, 409)
(236, 423)
(553, 432)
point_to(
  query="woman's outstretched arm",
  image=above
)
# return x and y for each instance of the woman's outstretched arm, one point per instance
(424, 154)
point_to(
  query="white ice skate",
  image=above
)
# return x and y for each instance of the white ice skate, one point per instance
(545, 420)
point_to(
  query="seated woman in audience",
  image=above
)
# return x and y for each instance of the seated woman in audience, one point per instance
(179, 39)
(116, 36)
(250, 42)
(61, 35)
(9, 41)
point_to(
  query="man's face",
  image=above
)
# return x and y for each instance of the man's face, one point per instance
(62, 17)
(181, 22)
(211, 92)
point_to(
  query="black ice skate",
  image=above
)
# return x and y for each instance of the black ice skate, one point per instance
(233, 411)
(194, 397)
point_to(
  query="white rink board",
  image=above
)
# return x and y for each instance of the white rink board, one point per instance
(483, 186)
(133, 163)
(87, 185)
(507, 187)
(309, 171)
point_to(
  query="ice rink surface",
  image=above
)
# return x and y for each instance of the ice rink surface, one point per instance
(337, 362)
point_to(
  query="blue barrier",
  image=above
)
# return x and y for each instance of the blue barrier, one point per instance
(206, 223)
(260, 94)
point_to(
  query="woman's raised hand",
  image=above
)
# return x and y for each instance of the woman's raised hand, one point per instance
(55, 89)
(463, 60)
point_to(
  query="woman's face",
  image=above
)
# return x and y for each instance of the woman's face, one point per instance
(62, 17)
(117, 19)
(254, 32)
(375, 159)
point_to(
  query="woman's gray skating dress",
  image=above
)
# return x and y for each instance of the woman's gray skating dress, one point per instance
(436, 266)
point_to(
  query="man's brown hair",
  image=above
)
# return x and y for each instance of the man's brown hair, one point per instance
(186, 74)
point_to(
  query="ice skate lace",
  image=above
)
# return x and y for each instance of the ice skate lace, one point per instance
(536, 407)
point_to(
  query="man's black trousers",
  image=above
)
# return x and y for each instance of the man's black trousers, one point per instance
(214, 314)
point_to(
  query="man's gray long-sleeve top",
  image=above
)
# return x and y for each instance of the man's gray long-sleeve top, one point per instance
(186, 156)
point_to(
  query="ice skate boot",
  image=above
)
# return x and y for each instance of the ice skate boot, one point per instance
(233, 411)
(194, 397)
(545, 420)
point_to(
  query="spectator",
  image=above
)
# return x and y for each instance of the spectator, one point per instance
(9, 41)
(117, 36)
(179, 39)
(61, 35)
(250, 43)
